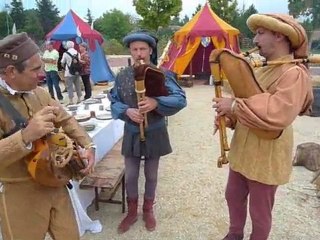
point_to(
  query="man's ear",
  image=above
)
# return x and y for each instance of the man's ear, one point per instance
(10, 71)
(280, 36)
(150, 49)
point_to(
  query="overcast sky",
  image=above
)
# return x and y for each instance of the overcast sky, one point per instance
(98, 7)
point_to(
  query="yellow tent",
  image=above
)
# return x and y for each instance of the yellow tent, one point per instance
(191, 46)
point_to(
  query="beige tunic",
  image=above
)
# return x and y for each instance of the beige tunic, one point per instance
(12, 150)
(288, 93)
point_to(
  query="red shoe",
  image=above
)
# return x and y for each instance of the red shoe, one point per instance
(148, 216)
(131, 217)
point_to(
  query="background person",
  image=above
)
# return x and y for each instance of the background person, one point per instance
(50, 58)
(69, 78)
(85, 74)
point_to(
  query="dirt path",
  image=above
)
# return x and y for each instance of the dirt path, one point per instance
(190, 197)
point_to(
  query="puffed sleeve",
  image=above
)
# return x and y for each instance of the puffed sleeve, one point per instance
(277, 110)
(118, 108)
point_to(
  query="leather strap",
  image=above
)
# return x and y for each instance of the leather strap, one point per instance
(19, 120)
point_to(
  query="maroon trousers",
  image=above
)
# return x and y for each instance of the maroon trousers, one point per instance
(261, 200)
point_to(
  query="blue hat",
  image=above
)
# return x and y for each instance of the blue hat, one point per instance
(140, 36)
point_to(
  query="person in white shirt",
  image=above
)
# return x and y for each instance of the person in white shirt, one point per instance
(71, 79)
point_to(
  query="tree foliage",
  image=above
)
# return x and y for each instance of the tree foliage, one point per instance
(306, 8)
(47, 14)
(185, 19)
(156, 13)
(4, 24)
(114, 47)
(114, 24)
(17, 14)
(175, 21)
(89, 17)
(198, 8)
(296, 7)
(33, 25)
(225, 9)
(241, 21)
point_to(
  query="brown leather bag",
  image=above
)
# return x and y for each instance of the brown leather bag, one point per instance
(241, 79)
(154, 80)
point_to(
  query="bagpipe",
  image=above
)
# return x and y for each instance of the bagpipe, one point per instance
(150, 82)
(240, 75)
(55, 160)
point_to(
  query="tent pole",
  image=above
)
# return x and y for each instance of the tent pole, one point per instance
(190, 76)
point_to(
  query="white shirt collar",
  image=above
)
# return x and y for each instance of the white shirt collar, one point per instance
(4, 85)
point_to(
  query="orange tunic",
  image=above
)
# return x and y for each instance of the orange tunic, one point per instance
(288, 93)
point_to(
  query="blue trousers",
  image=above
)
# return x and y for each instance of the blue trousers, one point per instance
(52, 79)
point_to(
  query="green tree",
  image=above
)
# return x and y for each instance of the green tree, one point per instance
(114, 24)
(297, 7)
(48, 15)
(156, 13)
(198, 8)
(89, 17)
(114, 47)
(17, 14)
(225, 9)
(4, 24)
(33, 25)
(175, 21)
(306, 8)
(241, 21)
(185, 19)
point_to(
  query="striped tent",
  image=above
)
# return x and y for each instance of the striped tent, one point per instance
(73, 28)
(190, 47)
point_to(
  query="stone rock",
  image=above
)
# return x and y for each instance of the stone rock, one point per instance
(308, 155)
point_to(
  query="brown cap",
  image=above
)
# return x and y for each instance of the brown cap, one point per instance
(16, 48)
(286, 25)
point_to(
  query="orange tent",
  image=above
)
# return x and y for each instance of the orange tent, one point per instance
(190, 47)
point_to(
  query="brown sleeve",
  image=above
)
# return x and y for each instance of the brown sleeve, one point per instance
(71, 127)
(275, 111)
(68, 123)
(12, 149)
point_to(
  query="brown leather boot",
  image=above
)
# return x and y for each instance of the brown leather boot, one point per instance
(131, 217)
(148, 215)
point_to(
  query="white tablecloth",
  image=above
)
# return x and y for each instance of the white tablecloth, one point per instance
(105, 135)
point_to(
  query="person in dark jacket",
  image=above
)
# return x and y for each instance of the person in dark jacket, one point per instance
(125, 106)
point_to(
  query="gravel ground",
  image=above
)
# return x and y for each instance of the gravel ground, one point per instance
(190, 202)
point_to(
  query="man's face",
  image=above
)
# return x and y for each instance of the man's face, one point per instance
(27, 79)
(49, 46)
(140, 51)
(82, 49)
(266, 41)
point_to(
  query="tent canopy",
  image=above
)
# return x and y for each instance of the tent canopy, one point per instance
(191, 45)
(72, 27)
